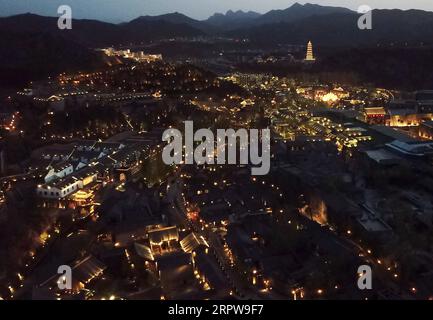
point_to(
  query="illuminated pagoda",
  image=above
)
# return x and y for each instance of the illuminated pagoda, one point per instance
(310, 56)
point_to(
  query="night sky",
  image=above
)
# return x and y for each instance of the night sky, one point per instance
(124, 10)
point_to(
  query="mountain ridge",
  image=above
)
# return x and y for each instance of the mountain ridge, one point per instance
(297, 12)
(323, 25)
(335, 29)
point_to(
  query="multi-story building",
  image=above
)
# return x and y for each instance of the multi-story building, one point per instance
(310, 56)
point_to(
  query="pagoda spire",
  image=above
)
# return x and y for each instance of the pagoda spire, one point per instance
(309, 56)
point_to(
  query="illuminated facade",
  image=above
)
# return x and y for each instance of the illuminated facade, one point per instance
(375, 115)
(310, 56)
(163, 239)
(425, 130)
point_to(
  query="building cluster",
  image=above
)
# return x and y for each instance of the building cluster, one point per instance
(346, 134)
(138, 56)
(84, 165)
(57, 99)
(327, 95)
(303, 127)
(180, 259)
(252, 80)
(403, 113)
